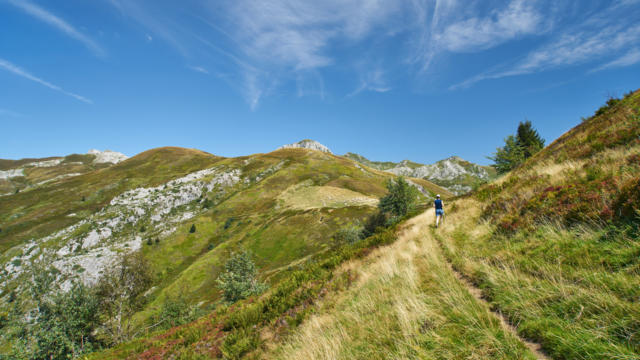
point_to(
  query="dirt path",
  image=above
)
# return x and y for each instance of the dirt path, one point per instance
(534, 347)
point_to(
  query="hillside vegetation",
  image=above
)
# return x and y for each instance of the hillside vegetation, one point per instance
(543, 262)
(185, 211)
(551, 249)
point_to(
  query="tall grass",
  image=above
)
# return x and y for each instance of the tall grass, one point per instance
(405, 304)
(575, 290)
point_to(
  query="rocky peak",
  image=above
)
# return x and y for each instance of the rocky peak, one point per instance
(307, 144)
(107, 156)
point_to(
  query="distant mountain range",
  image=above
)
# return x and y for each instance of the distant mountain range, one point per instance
(454, 174)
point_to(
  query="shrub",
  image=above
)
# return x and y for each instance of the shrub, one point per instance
(62, 325)
(207, 203)
(149, 242)
(143, 229)
(120, 290)
(239, 279)
(228, 223)
(347, 235)
(192, 229)
(606, 107)
(374, 223)
(157, 240)
(400, 199)
(175, 311)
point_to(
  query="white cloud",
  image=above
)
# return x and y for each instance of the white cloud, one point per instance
(451, 26)
(372, 81)
(23, 73)
(630, 58)
(479, 33)
(298, 34)
(575, 46)
(58, 23)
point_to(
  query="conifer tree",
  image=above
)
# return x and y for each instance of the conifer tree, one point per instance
(528, 139)
(509, 156)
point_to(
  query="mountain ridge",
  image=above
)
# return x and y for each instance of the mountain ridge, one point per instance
(453, 173)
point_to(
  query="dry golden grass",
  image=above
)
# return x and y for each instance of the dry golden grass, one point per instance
(305, 196)
(405, 303)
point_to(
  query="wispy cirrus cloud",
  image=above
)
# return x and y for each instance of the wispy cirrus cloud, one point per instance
(49, 18)
(6, 65)
(372, 81)
(518, 18)
(452, 26)
(571, 49)
(199, 69)
(259, 47)
(605, 33)
(630, 58)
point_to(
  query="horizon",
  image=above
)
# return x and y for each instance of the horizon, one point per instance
(419, 81)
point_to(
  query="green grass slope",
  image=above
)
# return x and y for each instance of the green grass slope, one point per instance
(552, 247)
(50, 207)
(37, 172)
(554, 244)
(283, 206)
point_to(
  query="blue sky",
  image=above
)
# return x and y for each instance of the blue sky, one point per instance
(389, 79)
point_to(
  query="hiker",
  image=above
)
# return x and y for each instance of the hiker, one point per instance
(439, 205)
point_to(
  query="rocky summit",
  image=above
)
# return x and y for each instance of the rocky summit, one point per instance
(307, 144)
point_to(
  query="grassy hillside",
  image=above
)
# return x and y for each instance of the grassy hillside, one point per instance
(53, 206)
(551, 248)
(283, 206)
(542, 263)
(26, 174)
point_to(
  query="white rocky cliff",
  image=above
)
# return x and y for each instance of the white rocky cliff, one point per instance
(307, 144)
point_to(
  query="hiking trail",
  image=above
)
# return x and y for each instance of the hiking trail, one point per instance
(476, 292)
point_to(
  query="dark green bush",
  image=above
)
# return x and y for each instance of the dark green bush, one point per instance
(374, 223)
(192, 229)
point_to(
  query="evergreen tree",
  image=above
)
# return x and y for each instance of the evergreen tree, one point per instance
(509, 156)
(400, 199)
(528, 139)
(193, 228)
